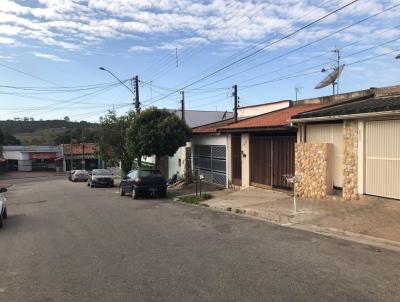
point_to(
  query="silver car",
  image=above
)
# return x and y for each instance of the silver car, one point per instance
(80, 175)
(3, 207)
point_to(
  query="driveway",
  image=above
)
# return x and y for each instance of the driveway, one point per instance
(67, 242)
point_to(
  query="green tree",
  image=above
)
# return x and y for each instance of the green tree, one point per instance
(157, 132)
(1, 137)
(112, 135)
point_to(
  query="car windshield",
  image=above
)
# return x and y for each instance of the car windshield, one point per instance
(101, 172)
(146, 173)
(80, 172)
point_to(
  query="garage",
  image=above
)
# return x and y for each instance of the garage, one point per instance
(382, 158)
(210, 161)
(271, 157)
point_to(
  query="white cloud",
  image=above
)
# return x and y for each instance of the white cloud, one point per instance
(138, 48)
(50, 57)
(8, 41)
(76, 25)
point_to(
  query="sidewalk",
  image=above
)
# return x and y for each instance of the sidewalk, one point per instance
(368, 216)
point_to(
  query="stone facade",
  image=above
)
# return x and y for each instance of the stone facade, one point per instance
(314, 169)
(350, 159)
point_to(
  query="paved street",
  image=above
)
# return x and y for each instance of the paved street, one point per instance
(66, 242)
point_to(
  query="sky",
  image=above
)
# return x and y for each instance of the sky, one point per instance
(51, 51)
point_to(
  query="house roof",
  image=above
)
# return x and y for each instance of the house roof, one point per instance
(277, 118)
(195, 118)
(212, 127)
(90, 148)
(357, 106)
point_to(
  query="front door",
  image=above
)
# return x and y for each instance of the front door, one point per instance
(236, 160)
(261, 161)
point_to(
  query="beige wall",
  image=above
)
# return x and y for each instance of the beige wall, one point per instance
(245, 160)
(244, 112)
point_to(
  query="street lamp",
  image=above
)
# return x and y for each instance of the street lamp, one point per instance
(104, 69)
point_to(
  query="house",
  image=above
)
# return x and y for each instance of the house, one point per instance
(261, 148)
(176, 164)
(353, 146)
(80, 156)
(211, 148)
(33, 158)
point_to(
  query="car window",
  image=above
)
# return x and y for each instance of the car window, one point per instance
(101, 172)
(131, 174)
(146, 173)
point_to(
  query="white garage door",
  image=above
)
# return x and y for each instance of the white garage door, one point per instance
(382, 162)
(330, 133)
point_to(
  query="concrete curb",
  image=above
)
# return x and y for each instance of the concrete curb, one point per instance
(329, 232)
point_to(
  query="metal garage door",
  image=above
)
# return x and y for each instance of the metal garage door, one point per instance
(382, 158)
(330, 133)
(210, 161)
(271, 157)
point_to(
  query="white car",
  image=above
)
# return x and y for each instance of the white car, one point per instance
(3, 207)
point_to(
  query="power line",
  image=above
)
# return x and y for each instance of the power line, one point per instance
(304, 46)
(266, 46)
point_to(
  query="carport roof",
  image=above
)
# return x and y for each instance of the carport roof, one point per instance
(273, 119)
(357, 106)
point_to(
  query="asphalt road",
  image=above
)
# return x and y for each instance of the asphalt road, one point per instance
(66, 242)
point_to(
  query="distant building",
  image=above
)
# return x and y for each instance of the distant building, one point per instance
(33, 158)
(80, 156)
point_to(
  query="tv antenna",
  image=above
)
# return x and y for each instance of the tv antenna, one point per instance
(334, 74)
(297, 91)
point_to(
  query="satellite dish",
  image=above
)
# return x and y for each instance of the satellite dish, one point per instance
(331, 78)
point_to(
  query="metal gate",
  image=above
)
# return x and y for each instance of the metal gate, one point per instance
(210, 161)
(271, 157)
(382, 158)
(236, 159)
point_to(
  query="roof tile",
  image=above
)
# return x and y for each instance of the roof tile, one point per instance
(272, 119)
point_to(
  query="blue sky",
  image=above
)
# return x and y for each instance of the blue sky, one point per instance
(50, 51)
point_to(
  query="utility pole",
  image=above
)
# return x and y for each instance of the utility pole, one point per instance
(136, 89)
(183, 105)
(83, 154)
(337, 51)
(72, 153)
(235, 99)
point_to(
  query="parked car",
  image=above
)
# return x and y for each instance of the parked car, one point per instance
(100, 178)
(3, 207)
(70, 174)
(80, 175)
(142, 182)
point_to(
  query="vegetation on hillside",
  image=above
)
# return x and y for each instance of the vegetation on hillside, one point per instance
(50, 132)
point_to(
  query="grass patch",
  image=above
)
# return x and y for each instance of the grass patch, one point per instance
(196, 199)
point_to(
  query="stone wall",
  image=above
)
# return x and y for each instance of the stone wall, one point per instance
(314, 169)
(350, 159)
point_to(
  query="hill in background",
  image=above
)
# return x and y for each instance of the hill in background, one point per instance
(49, 132)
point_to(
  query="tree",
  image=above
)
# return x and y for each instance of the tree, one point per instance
(157, 132)
(66, 118)
(1, 137)
(112, 145)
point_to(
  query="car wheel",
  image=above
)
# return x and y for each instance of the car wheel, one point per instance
(5, 215)
(121, 192)
(134, 193)
(91, 185)
(1, 221)
(88, 184)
